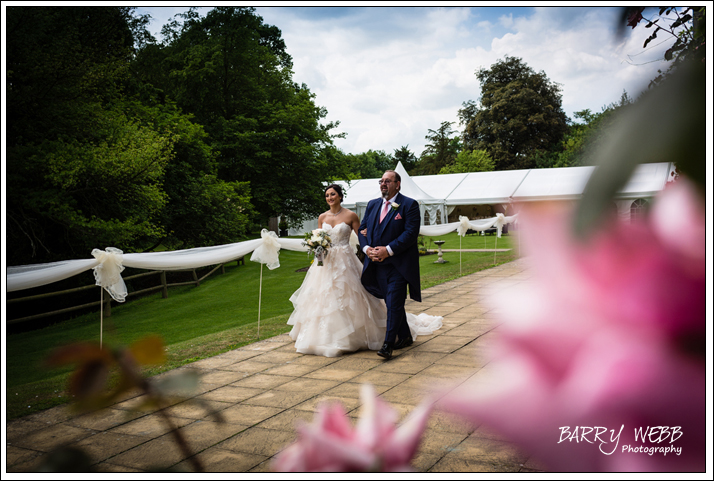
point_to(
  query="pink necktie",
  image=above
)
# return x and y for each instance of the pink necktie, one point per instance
(384, 212)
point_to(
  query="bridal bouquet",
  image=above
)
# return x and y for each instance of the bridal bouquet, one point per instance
(318, 241)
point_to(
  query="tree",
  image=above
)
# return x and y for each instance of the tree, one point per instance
(469, 161)
(467, 113)
(406, 157)
(97, 157)
(82, 171)
(685, 26)
(440, 151)
(233, 74)
(582, 138)
(520, 113)
(201, 209)
(370, 164)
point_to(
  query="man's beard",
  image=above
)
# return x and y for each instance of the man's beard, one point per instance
(385, 194)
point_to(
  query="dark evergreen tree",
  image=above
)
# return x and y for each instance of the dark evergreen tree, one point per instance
(520, 113)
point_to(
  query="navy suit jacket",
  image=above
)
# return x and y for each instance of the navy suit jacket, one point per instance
(399, 230)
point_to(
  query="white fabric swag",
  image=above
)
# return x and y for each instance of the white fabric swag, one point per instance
(465, 224)
(109, 264)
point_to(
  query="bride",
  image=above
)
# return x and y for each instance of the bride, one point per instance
(333, 313)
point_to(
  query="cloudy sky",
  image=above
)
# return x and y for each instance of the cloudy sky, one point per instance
(388, 74)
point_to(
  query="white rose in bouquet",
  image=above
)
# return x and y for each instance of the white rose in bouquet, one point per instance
(318, 241)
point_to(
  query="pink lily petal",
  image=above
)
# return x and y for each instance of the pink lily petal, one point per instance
(377, 420)
(406, 439)
(610, 333)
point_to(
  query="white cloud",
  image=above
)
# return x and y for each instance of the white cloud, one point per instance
(506, 20)
(390, 74)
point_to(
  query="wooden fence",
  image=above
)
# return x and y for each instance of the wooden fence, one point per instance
(163, 286)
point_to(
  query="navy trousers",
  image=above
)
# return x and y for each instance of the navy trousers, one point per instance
(394, 285)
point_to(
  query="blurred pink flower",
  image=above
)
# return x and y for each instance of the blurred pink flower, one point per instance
(330, 444)
(608, 333)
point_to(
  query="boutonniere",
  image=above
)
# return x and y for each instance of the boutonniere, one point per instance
(395, 206)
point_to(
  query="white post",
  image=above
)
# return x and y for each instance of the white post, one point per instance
(260, 295)
(459, 255)
(101, 315)
(495, 246)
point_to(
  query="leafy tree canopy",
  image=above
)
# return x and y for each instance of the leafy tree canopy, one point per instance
(370, 164)
(440, 151)
(115, 140)
(685, 27)
(520, 113)
(469, 161)
(582, 138)
(233, 74)
(406, 157)
(82, 170)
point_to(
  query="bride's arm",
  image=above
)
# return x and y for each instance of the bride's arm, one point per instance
(354, 222)
(354, 235)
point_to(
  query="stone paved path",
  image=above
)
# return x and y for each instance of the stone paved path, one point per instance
(263, 388)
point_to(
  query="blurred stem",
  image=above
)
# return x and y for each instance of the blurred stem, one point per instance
(127, 365)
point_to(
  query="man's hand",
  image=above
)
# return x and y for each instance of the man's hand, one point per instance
(378, 254)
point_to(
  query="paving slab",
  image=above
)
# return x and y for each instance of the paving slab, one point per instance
(107, 444)
(103, 419)
(16, 455)
(262, 390)
(19, 428)
(158, 454)
(352, 390)
(151, 425)
(262, 381)
(287, 420)
(53, 437)
(231, 394)
(280, 399)
(257, 440)
(333, 374)
(312, 404)
(217, 460)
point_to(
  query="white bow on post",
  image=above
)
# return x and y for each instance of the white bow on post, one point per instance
(108, 277)
(464, 225)
(108, 272)
(462, 229)
(267, 253)
(500, 222)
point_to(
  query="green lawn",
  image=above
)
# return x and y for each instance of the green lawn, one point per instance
(199, 322)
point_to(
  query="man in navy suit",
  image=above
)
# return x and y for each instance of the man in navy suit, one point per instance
(388, 236)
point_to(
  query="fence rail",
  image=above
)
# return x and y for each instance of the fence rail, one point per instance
(163, 286)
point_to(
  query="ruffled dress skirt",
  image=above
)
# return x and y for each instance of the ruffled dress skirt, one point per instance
(334, 314)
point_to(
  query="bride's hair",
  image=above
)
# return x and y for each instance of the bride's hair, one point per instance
(337, 188)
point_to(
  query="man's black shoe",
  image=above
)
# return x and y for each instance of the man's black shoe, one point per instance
(386, 351)
(402, 343)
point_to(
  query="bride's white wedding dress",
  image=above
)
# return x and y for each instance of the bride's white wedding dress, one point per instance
(334, 313)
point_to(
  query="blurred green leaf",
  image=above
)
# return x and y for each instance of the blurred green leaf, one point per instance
(668, 124)
(149, 350)
(178, 384)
